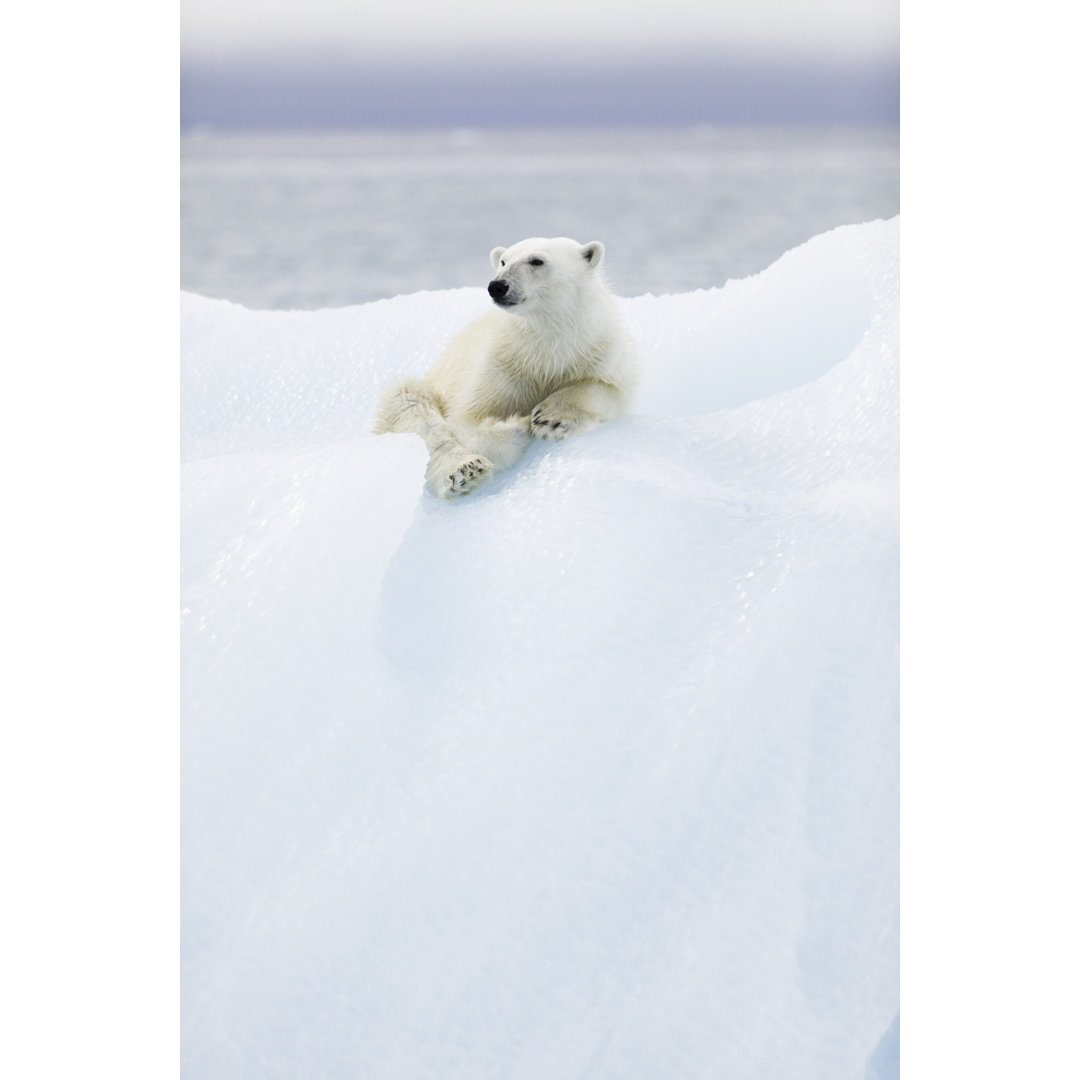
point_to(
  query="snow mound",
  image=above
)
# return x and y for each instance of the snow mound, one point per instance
(591, 774)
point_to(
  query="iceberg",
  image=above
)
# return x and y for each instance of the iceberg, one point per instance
(593, 773)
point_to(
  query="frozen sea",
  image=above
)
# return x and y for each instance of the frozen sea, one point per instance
(307, 221)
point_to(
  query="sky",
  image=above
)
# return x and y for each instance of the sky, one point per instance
(334, 63)
(602, 29)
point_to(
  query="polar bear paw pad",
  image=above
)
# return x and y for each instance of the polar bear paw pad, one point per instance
(465, 477)
(548, 426)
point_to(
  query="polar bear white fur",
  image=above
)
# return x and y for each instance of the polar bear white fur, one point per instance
(550, 359)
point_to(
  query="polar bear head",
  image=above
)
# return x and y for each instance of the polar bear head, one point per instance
(545, 275)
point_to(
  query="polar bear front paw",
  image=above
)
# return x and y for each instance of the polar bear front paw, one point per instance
(451, 475)
(548, 423)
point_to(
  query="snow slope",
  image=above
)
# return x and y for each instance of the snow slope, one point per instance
(593, 774)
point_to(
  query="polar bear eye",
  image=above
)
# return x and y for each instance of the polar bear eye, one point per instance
(536, 262)
(502, 262)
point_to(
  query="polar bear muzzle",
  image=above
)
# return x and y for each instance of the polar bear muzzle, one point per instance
(499, 291)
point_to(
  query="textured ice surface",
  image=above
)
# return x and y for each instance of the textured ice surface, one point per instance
(592, 774)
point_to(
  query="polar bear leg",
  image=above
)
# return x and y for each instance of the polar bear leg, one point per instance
(502, 442)
(577, 407)
(495, 444)
(412, 405)
(463, 455)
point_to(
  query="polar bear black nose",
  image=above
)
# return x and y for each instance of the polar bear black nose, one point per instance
(498, 289)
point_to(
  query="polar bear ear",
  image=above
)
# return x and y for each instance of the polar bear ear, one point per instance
(496, 255)
(592, 253)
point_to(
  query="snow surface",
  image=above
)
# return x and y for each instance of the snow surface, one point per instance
(591, 774)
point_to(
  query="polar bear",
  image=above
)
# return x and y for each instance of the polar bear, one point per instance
(550, 359)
